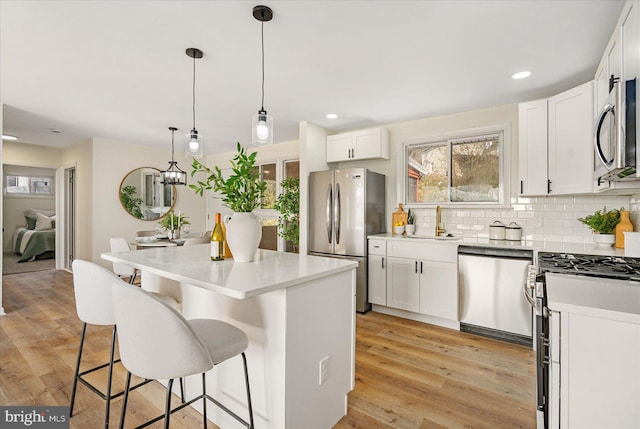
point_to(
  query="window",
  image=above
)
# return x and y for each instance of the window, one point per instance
(29, 185)
(274, 173)
(460, 170)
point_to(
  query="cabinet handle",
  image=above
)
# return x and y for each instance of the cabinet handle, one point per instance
(548, 186)
(383, 262)
(416, 268)
(420, 267)
(522, 186)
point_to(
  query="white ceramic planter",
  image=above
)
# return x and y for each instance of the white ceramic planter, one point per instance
(243, 236)
(604, 240)
(410, 229)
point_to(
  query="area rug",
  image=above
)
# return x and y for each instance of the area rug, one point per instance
(10, 264)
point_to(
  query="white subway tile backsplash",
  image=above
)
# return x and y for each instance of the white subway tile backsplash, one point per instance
(551, 219)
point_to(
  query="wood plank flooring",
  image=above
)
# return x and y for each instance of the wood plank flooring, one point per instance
(408, 374)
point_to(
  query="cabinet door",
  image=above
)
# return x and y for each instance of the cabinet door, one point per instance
(439, 289)
(599, 372)
(373, 143)
(377, 280)
(533, 147)
(403, 289)
(339, 147)
(571, 154)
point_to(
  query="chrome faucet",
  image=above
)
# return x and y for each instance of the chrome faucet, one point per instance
(439, 221)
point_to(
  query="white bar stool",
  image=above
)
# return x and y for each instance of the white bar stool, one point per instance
(157, 342)
(92, 286)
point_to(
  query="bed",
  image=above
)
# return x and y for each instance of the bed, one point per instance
(36, 240)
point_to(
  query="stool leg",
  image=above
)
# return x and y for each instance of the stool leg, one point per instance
(204, 399)
(246, 379)
(182, 389)
(75, 377)
(167, 410)
(110, 378)
(124, 400)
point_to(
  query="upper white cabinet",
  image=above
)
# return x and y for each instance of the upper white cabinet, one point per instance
(555, 143)
(357, 145)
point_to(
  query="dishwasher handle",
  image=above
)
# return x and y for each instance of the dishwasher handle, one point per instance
(494, 252)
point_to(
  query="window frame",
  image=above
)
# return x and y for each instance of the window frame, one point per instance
(504, 153)
(29, 194)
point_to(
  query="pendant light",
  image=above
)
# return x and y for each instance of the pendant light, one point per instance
(193, 147)
(173, 176)
(262, 124)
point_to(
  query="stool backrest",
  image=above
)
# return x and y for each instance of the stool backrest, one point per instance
(92, 285)
(196, 240)
(155, 341)
(119, 244)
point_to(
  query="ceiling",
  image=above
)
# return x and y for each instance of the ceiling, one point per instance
(118, 69)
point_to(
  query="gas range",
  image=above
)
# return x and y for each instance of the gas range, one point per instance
(614, 267)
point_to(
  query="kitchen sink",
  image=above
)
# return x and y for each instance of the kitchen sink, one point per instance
(433, 237)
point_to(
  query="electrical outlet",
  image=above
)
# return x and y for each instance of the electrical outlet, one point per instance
(324, 371)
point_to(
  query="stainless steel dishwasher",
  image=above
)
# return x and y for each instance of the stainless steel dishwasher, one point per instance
(491, 282)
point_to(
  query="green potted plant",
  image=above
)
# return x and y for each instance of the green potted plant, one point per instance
(173, 222)
(603, 224)
(410, 228)
(242, 192)
(288, 204)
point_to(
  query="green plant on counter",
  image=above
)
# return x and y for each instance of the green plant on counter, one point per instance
(288, 204)
(602, 221)
(130, 201)
(165, 222)
(411, 219)
(242, 191)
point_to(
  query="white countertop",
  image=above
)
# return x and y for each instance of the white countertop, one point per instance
(537, 246)
(593, 296)
(270, 270)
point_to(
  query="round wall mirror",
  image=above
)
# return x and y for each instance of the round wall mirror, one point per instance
(143, 196)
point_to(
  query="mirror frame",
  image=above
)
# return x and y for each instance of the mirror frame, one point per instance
(174, 194)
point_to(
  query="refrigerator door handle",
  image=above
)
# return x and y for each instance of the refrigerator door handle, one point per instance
(336, 212)
(329, 210)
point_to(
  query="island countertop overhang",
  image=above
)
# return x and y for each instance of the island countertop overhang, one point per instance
(270, 270)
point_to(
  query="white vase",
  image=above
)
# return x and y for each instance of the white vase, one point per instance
(604, 240)
(243, 236)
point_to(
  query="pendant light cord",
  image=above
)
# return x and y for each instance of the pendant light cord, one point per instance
(194, 92)
(262, 37)
(172, 151)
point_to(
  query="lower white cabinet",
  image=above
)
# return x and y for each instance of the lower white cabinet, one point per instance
(377, 280)
(422, 286)
(599, 372)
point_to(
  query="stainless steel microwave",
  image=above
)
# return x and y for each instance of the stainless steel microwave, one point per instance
(615, 134)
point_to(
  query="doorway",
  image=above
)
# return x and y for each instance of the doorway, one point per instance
(69, 230)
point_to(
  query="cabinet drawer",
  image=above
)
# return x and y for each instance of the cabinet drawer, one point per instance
(377, 247)
(443, 252)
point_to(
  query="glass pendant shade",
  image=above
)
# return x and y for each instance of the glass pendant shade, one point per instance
(193, 146)
(262, 134)
(174, 176)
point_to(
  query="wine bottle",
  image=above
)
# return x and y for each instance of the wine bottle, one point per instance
(217, 241)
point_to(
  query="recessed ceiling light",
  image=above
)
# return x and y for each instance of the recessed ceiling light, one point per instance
(521, 75)
(9, 137)
(56, 130)
(331, 116)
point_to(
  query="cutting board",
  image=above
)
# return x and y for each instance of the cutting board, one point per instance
(398, 216)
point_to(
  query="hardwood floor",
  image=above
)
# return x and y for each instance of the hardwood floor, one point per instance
(408, 374)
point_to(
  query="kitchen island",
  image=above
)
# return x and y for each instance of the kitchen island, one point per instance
(298, 312)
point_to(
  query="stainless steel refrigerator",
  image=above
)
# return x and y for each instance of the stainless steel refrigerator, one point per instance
(345, 206)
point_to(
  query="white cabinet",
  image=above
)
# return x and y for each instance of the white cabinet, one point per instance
(555, 143)
(599, 372)
(377, 272)
(403, 284)
(422, 277)
(357, 145)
